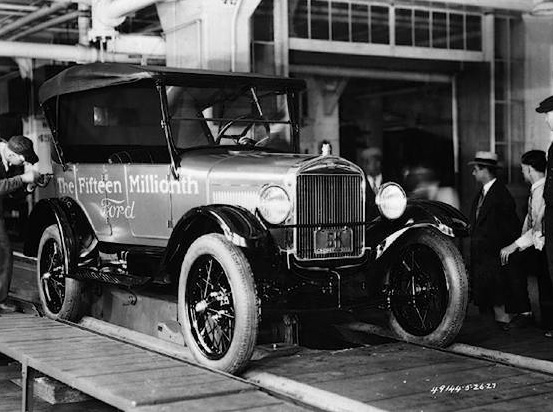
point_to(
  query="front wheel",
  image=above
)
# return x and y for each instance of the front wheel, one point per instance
(61, 297)
(428, 289)
(217, 304)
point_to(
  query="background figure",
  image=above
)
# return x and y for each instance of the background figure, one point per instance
(371, 163)
(546, 107)
(530, 245)
(325, 148)
(494, 225)
(421, 182)
(17, 151)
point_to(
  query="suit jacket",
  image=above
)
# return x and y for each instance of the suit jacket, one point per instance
(548, 187)
(497, 226)
(371, 210)
(8, 184)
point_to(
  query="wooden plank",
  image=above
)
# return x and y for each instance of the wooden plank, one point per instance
(231, 402)
(527, 399)
(59, 373)
(392, 384)
(362, 361)
(174, 374)
(120, 356)
(65, 342)
(77, 350)
(507, 387)
(126, 373)
(78, 360)
(157, 393)
(365, 373)
(10, 371)
(40, 335)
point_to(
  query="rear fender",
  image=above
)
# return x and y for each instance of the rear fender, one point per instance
(237, 224)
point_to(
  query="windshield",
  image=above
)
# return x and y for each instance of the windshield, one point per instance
(213, 116)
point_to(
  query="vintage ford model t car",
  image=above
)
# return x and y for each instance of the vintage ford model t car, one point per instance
(193, 179)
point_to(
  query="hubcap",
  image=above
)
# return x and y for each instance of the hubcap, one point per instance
(210, 307)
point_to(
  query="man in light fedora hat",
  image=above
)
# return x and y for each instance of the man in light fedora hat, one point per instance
(495, 225)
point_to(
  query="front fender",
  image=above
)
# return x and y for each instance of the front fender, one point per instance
(237, 224)
(382, 233)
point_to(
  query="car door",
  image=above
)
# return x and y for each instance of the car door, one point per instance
(148, 202)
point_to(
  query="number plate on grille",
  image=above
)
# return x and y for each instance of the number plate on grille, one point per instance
(333, 240)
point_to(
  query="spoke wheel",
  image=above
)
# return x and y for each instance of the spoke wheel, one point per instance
(52, 278)
(427, 288)
(217, 304)
(61, 297)
(419, 290)
(210, 307)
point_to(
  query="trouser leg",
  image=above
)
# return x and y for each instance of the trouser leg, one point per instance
(514, 275)
(545, 287)
(548, 223)
(6, 262)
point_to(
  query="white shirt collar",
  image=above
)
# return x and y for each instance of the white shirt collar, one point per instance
(375, 179)
(487, 186)
(4, 161)
(537, 184)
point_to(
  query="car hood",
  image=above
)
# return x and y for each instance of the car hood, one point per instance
(236, 177)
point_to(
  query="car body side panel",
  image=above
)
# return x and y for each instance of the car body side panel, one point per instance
(85, 183)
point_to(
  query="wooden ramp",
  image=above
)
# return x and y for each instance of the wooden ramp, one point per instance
(119, 374)
(403, 377)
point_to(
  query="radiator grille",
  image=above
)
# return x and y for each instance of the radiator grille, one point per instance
(324, 199)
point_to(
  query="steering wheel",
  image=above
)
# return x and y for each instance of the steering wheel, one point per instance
(227, 125)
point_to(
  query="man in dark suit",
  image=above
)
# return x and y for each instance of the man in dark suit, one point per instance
(495, 225)
(371, 163)
(546, 107)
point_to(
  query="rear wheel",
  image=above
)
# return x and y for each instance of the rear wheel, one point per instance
(217, 304)
(61, 297)
(428, 289)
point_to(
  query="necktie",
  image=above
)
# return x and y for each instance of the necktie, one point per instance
(372, 184)
(530, 220)
(480, 201)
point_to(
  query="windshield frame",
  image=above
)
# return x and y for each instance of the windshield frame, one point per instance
(293, 108)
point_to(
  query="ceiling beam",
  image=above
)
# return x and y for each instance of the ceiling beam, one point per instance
(36, 15)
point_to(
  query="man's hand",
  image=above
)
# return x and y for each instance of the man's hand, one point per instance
(31, 174)
(506, 252)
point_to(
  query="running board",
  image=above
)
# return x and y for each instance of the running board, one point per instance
(109, 275)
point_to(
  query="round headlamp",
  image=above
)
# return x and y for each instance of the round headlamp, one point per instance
(274, 204)
(391, 200)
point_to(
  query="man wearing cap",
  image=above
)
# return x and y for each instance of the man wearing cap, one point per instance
(495, 225)
(18, 151)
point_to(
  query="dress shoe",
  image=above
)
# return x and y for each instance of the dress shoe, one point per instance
(502, 325)
(520, 321)
(6, 307)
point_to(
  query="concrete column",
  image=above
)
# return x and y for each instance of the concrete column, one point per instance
(538, 80)
(281, 37)
(323, 122)
(208, 34)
